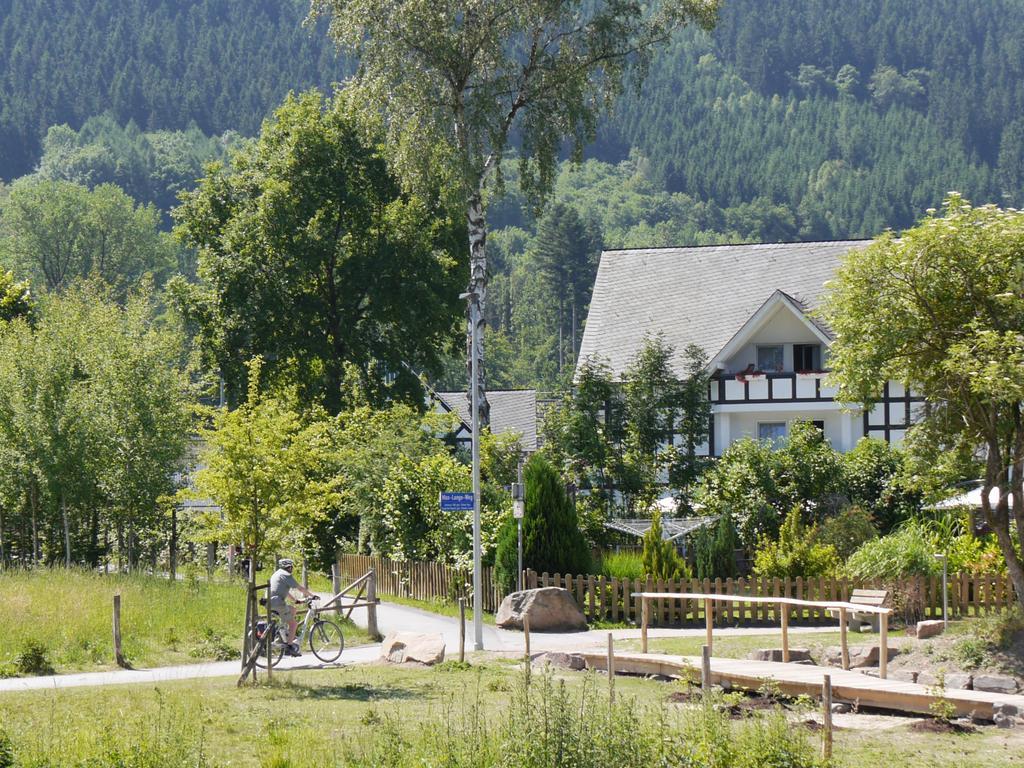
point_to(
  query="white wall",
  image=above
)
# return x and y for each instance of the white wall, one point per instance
(842, 430)
(782, 327)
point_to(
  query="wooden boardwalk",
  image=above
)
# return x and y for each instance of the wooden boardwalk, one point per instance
(795, 679)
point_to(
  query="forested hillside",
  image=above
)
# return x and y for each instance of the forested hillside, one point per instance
(794, 119)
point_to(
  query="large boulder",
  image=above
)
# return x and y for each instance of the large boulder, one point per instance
(926, 629)
(573, 661)
(796, 655)
(551, 609)
(860, 656)
(995, 683)
(412, 648)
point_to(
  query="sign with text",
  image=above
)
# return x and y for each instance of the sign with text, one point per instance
(456, 501)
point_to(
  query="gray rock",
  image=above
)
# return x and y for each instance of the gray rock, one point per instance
(412, 648)
(929, 628)
(959, 682)
(1006, 708)
(551, 609)
(860, 656)
(796, 655)
(572, 661)
(927, 679)
(995, 683)
(1003, 721)
(904, 675)
(839, 708)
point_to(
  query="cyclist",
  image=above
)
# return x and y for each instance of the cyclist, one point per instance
(281, 585)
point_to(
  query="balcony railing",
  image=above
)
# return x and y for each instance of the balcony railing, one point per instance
(785, 387)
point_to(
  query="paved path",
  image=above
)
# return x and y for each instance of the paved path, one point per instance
(391, 617)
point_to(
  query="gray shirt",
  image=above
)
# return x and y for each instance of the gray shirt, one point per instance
(281, 583)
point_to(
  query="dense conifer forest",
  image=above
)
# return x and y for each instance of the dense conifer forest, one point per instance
(803, 119)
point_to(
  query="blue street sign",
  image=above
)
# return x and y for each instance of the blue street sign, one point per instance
(456, 501)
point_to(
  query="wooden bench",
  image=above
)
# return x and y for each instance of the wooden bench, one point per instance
(873, 597)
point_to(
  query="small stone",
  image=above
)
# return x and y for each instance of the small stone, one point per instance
(839, 708)
(929, 628)
(959, 682)
(1003, 721)
(995, 684)
(412, 648)
(573, 661)
(904, 675)
(775, 654)
(1006, 708)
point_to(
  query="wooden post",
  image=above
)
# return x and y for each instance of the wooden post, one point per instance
(118, 654)
(371, 604)
(709, 622)
(784, 613)
(705, 669)
(336, 588)
(826, 707)
(643, 624)
(842, 639)
(462, 630)
(611, 669)
(526, 633)
(883, 646)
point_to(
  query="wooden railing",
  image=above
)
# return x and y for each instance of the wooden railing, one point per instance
(606, 599)
(422, 581)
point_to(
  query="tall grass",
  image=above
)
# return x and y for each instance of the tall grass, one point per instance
(622, 565)
(69, 614)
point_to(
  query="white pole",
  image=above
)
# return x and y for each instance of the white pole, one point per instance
(478, 618)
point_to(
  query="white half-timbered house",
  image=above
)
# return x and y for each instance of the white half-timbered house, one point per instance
(748, 307)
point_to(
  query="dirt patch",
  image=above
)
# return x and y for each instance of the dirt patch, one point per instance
(942, 726)
(682, 697)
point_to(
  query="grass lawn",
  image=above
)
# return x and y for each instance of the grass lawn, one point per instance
(162, 622)
(375, 715)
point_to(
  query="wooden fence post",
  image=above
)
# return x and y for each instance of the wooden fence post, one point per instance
(526, 634)
(826, 712)
(611, 669)
(462, 630)
(643, 626)
(118, 654)
(784, 609)
(371, 604)
(705, 669)
(708, 622)
(883, 646)
(336, 585)
(844, 649)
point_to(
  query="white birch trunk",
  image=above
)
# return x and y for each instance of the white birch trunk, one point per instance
(477, 227)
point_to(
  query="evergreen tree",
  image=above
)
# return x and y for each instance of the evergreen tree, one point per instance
(660, 558)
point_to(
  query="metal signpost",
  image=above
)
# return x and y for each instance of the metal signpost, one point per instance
(460, 501)
(518, 508)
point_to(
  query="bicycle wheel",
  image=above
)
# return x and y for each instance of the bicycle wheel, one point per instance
(326, 641)
(276, 647)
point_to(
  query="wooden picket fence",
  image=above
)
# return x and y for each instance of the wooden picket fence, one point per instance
(422, 581)
(602, 598)
(607, 599)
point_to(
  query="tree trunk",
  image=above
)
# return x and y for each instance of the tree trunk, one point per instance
(172, 549)
(998, 519)
(67, 531)
(33, 501)
(477, 228)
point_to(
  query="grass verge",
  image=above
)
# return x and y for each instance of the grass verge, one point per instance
(63, 618)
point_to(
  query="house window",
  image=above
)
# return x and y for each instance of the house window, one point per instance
(806, 357)
(769, 358)
(820, 425)
(771, 430)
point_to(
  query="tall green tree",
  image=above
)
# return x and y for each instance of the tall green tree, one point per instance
(452, 83)
(54, 232)
(941, 309)
(311, 256)
(552, 540)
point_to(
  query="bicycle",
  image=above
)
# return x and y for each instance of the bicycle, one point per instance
(323, 636)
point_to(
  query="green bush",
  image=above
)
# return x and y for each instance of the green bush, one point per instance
(33, 659)
(622, 565)
(660, 559)
(796, 553)
(907, 552)
(715, 549)
(552, 540)
(848, 530)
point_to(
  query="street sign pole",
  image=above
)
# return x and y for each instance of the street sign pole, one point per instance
(518, 508)
(478, 617)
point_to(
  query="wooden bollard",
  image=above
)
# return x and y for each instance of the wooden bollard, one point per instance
(705, 669)
(843, 646)
(785, 632)
(644, 611)
(118, 653)
(526, 635)
(462, 630)
(826, 713)
(883, 646)
(611, 668)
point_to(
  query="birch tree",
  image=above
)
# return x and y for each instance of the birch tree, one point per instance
(941, 309)
(456, 82)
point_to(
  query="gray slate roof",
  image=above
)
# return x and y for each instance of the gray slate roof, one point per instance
(701, 295)
(512, 410)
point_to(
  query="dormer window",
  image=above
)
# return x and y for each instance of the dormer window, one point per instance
(806, 357)
(769, 357)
